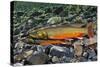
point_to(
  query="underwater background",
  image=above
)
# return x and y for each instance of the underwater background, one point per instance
(28, 16)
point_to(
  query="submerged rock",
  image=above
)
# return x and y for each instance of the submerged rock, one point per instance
(54, 20)
(40, 48)
(38, 58)
(85, 55)
(82, 59)
(23, 55)
(92, 55)
(60, 51)
(78, 48)
(18, 47)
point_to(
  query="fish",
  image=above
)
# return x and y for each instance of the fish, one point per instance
(59, 34)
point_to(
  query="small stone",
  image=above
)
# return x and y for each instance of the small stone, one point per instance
(27, 53)
(19, 45)
(23, 55)
(40, 48)
(54, 20)
(47, 49)
(91, 53)
(27, 47)
(78, 48)
(55, 59)
(82, 59)
(65, 59)
(85, 54)
(17, 64)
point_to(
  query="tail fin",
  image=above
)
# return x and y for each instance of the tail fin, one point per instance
(90, 30)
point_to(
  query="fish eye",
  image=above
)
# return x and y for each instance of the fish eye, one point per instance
(41, 34)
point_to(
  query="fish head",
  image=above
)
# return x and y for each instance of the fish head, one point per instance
(38, 34)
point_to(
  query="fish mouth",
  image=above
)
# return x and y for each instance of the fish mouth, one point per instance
(33, 36)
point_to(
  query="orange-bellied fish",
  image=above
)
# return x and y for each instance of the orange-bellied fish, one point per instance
(57, 34)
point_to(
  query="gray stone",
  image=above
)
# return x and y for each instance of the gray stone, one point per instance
(40, 48)
(55, 59)
(65, 59)
(60, 51)
(38, 58)
(85, 54)
(83, 59)
(91, 53)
